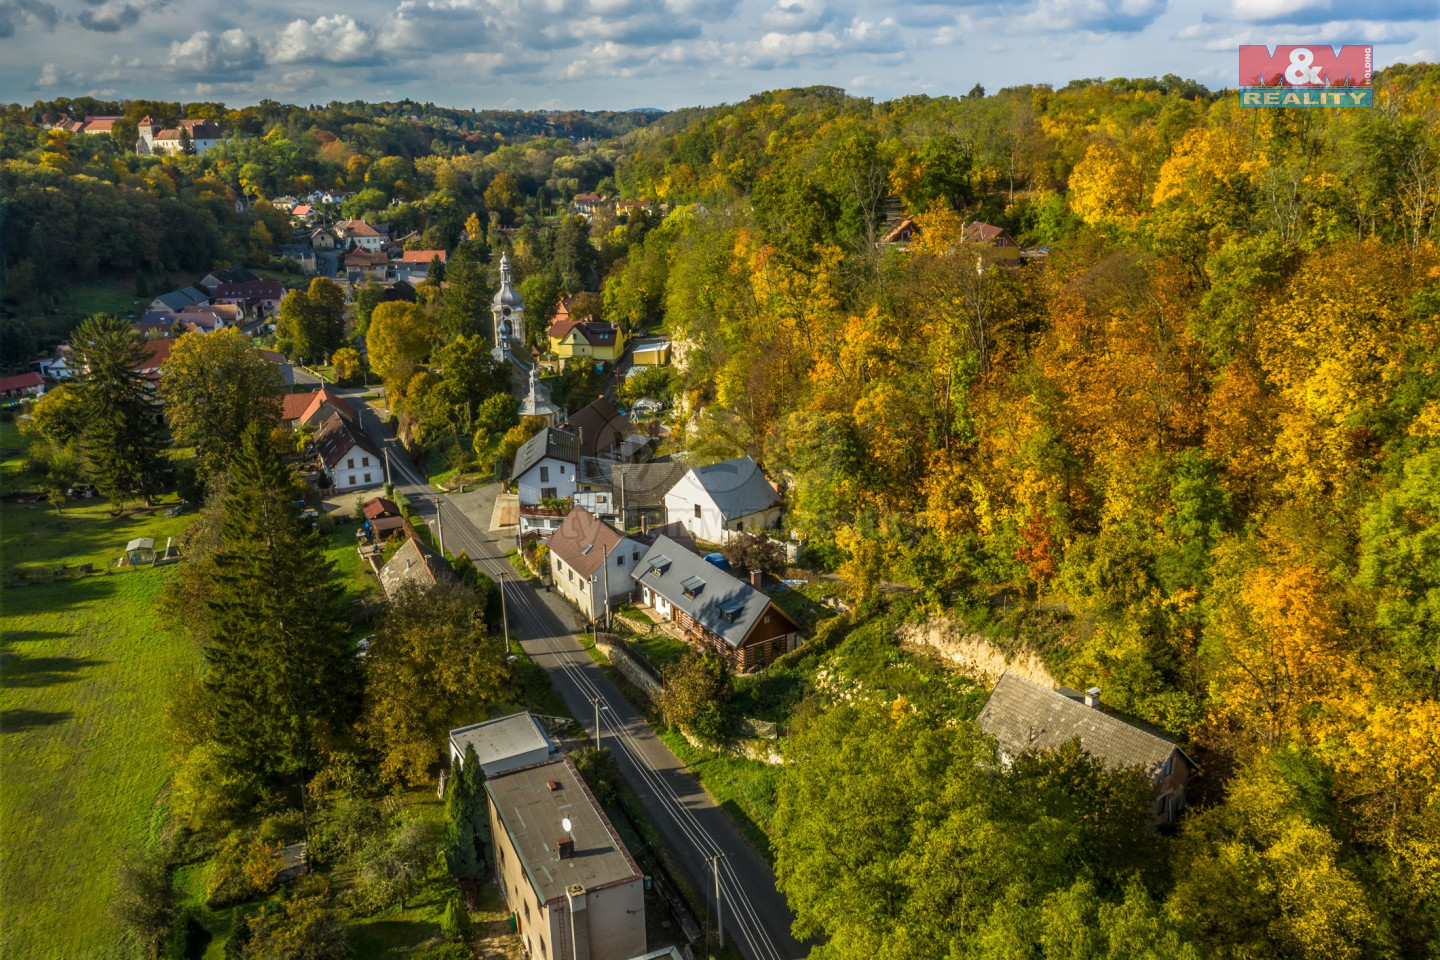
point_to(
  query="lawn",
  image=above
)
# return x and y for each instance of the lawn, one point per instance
(117, 297)
(746, 789)
(359, 582)
(659, 648)
(36, 539)
(87, 671)
(13, 476)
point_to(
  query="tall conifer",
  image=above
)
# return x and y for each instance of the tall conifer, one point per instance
(120, 440)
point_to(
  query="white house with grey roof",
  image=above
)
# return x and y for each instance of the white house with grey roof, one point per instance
(1025, 717)
(715, 502)
(546, 466)
(716, 610)
(574, 890)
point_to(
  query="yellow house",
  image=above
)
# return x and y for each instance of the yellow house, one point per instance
(586, 339)
(651, 351)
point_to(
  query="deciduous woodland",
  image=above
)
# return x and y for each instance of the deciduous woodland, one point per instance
(1186, 449)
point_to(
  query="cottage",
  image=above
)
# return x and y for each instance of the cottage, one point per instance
(323, 240)
(261, 297)
(153, 326)
(210, 317)
(590, 563)
(587, 203)
(1006, 252)
(312, 409)
(414, 265)
(415, 564)
(714, 609)
(346, 455)
(573, 889)
(299, 254)
(1025, 717)
(603, 432)
(362, 264)
(177, 300)
(211, 281)
(60, 365)
(358, 233)
(716, 501)
(639, 490)
(546, 466)
(587, 339)
(91, 125)
(382, 519)
(505, 743)
(22, 385)
(900, 233)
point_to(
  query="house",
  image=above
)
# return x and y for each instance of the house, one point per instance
(177, 300)
(303, 257)
(590, 563)
(303, 212)
(505, 743)
(414, 563)
(358, 233)
(573, 889)
(323, 240)
(900, 233)
(715, 501)
(347, 456)
(587, 339)
(1009, 252)
(154, 353)
(414, 265)
(607, 434)
(202, 134)
(650, 351)
(212, 281)
(208, 318)
(22, 385)
(363, 264)
(158, 325)
(716, 610)
(1025, 717)
(259, 296)
(639, 490)
(93, 125)
(587, 203)
(60, 365)
(287, 372)
(625, 208)
(382, 519)
(545, 466)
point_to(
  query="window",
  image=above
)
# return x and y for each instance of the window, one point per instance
(352, 479)
(350, 464)
(767, 618)
(572, 575)
(619, 559)
(562, 469)
(367, 478)
(544, 474)
(364, 461)
(697, 511)
(547, 493)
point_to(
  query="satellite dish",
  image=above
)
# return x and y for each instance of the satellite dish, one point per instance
(566, 824)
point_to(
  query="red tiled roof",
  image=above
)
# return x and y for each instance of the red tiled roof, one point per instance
(985, 233)
(360, 228)
(894, 233)
(365, 258)
(21, 381)
(421, 256)
(304, 210)
(597, 333)
(156, 353)
(293, 405)
(380, 507)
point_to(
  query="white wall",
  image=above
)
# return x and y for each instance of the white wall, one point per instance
(345, 477)
(562, 478)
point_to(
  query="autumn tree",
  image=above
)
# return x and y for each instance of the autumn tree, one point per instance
(400, 337)
(431, 667)
(213, 386)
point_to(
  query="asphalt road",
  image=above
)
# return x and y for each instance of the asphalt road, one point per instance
(756, 917)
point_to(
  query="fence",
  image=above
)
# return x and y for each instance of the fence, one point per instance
(633, 668)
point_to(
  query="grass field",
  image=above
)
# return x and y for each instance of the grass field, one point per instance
(13, 477)
(87, 671)
(35, 538)
(358, 581)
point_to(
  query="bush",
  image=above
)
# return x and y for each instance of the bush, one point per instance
(305, 928)
(597, 768)
(283, 828)
(187, 938)
(697, 693)
(394, 866)
(207, 796)
(243, 869)
(455, 921)
(144, 902)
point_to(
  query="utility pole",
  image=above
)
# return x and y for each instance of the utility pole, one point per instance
(440, 526)
(504, 615)
(387, 465)
(719, 914)
(595, 702)
(605, 564)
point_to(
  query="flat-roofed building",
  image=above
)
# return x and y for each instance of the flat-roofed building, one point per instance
(576, 893)
(514, 740)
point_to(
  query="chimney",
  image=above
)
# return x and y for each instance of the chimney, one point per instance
(1092, 698)
(757, 579)
(565, 847)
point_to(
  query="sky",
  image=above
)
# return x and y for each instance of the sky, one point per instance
(626, 54)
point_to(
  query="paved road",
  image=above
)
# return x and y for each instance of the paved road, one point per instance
(755, 914)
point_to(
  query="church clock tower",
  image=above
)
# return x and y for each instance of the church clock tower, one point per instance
(509, 312)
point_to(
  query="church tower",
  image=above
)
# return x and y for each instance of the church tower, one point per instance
(509, 312)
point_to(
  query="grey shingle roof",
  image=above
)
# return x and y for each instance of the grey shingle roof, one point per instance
(583, 542)
(602, 430)
(738, 487)
(532, 816)
(418, 564)
(724, 605)
(645, 484)
(549, 442)
(1023, 716)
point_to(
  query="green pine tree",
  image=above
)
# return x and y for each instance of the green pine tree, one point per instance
(121, 440)
(468, 292)
(281, 678)
(468, 820)
(455, 921)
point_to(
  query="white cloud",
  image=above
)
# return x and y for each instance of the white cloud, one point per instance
(796, 16)
(207, 54)
(337, 39)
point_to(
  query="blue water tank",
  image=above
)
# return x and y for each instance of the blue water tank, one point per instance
(718, 559)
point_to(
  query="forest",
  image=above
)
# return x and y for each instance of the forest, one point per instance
(1188, 452)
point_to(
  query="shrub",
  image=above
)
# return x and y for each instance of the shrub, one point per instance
(304, 928)
(392, 867)
(243, 869)
(144, 902)
(283, 828)
(455, 921)
(697, 692)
